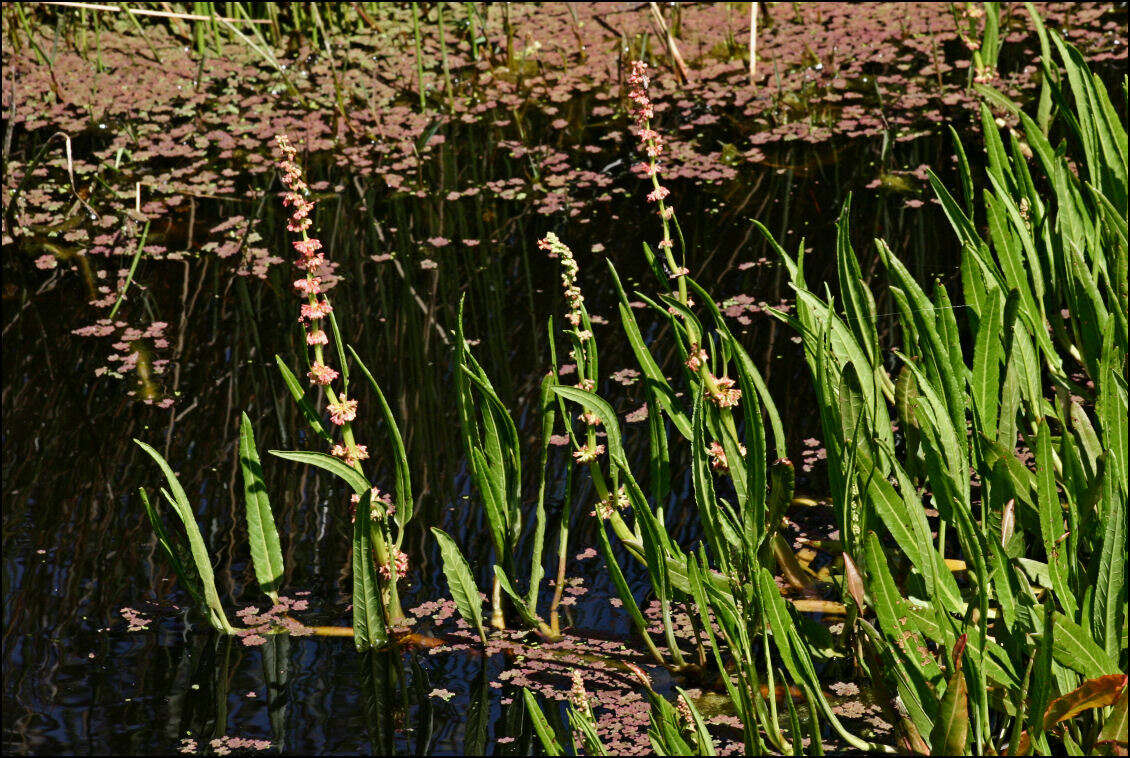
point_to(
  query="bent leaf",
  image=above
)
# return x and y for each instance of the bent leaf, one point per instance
(1093, 693)
(352, 476)
(213, 608)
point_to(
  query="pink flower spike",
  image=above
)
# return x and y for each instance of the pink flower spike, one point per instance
(317, 337)
(312, 263)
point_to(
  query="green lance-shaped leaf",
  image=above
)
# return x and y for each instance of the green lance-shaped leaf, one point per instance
(369, 630)
(595, 404)
(859, 305)
(1110, 589)
(1114, 729)
(548, 405)
(750, 379)
(478, 714)
(1074, 648)
(352, 476)
(461, 582)
(544, 731)
(795, 653)
(794, 725)
(584, 724)
(338, 346)
(188, 580)
(725, 618)
(703, 488)
(214, 610)
(1051, 519)
(950, 735)
(404, 502)
(266, 555)
(964, 173)
(665, 731)
(660, 387)
(299, 395)
(986, 367)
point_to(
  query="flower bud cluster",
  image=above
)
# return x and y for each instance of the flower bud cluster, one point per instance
(553, 245)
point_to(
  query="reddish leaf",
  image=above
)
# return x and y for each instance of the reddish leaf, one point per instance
(951, 727)
(1093, 693)
(854, 581)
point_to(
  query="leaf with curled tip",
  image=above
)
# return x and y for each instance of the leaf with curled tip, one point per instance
(950, 735)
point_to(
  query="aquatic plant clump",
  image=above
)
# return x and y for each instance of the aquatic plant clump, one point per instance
(620, 556)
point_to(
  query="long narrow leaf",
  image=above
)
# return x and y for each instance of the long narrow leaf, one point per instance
(266, 553)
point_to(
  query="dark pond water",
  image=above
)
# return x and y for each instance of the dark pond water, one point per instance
(78, 549)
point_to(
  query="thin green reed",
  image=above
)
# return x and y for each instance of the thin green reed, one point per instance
(443, 54)
(419, 56)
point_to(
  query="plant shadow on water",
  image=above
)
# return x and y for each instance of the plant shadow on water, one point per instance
(77, 547)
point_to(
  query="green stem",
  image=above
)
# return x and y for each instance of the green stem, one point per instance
(669, 633)
(497, 619)
(443, 54)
